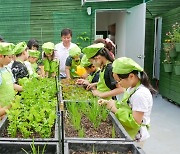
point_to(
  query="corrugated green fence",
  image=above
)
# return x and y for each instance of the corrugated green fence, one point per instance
(15, 20)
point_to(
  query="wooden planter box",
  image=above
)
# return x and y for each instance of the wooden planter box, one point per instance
(7, 147)
(74, 147)
(3, 128)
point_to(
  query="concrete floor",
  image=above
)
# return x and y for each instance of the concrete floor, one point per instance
(165, 128)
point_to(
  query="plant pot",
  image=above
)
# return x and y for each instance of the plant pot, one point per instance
(177, 69)
(168, 67)
(166, 45)
(75, 146)
(177, 47)
(173, 53)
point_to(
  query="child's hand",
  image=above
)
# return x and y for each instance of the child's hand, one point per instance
(102, 102)
(91, 86)
(110, 104)
(80, 81)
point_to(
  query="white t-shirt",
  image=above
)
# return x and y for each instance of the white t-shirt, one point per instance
(61, 53)
(29, 67)
(142, 101)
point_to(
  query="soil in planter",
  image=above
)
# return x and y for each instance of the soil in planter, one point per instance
(5, 134)
(80, 152)
(68, 81)
(103, 131)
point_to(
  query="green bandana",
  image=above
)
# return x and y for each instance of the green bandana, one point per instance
(125, 65)
(34, 53)
(91, 50)
(85, 62)
(6, 48)
(20, 47)
(48, 47)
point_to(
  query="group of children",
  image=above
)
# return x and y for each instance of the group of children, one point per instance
(96, 69)
(116, 76)
(20, 61)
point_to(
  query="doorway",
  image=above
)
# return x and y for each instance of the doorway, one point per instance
(126, 28)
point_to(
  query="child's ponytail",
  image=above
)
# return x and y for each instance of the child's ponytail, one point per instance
(145, 81)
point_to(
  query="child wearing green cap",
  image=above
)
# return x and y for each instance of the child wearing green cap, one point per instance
(32, 62)
(100, 57)
(135, 107)
(92, 71)
(19, 69)
(72, 62)
(7, 85)
(50, 62)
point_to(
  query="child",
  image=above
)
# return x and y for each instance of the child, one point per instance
(33, 44)
(92, 71)
(19, 69)
(49, 60)
(33, 57)
(72, 61)
(7, 86)
(100, 57)
(134, 110)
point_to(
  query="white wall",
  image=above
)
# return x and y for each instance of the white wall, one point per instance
(104, 19)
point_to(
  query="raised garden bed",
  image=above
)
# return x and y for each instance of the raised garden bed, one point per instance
(103, 147)
(34, 113)
(17, 147)
(97, 128)
(35, 136)
(74, 92)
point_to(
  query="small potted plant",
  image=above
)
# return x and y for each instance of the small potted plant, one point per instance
(167, 62)
(167, 43)
(177, 67)
(176, 36)
(168, 66)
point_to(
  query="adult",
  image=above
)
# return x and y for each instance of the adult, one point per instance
(62, 49)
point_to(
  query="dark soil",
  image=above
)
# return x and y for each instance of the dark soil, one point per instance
(104, 130)
(5, 134)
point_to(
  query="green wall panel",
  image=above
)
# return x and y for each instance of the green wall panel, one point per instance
(15, 20)
(169, 83)
(48, 18)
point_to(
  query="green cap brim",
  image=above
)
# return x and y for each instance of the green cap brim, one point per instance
(6, 48)
(91, 50)
(20, 47)
(85, 61)
(75, 51)
(34, 53)
(125, 65)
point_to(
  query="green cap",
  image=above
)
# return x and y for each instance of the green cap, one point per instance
(85, 61)
(20, 47)
(125, 65)
(48, 47)
(91, 50)
(75, 51)
(6, 48)
(34, 53)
